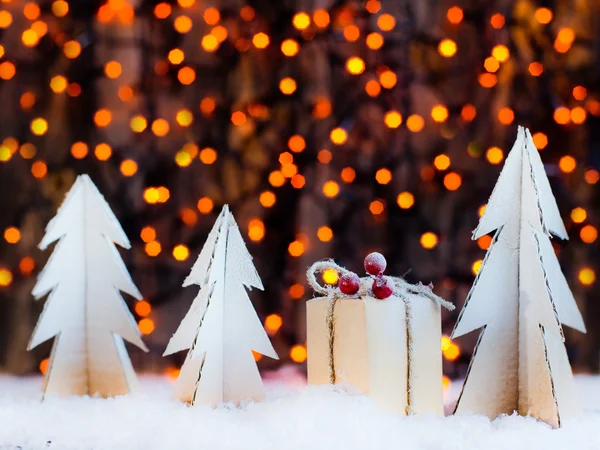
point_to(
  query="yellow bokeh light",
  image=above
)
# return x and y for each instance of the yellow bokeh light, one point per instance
(587, 276)
(501, 53)
(39, 126)
(405, 200)
(290, 47)
(494, 155)
(184, 117)
(138, 123)
(476, 267)
(392, 119)
(439, 113)
(331, 189)
(6, 277)
(176, 56)
(181, 252)
(29, 38)
(183, 158)
(287, 86)
(301, 21)
(447, 48)
(72, 49)
(330, 276)
(429, 240)
(209, 43)
(261, 40)
(58, 84)
(60, 8)
(355, 65)
(5, 19)
(578, 215)
(338, 136)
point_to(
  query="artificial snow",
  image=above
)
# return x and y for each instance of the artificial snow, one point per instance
(293, 417)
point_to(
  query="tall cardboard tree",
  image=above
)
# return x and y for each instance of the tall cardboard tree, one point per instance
(520, 297)
(221, 328)
(85, 312)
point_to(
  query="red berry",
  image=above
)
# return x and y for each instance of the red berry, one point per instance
(375, 263)
(349, 283)
(383, 287)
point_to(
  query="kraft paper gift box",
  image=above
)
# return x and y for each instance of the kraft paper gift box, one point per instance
(388, 349)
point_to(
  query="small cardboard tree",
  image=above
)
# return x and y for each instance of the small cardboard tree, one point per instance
(520, 297)
(221, 328)
(85, 311)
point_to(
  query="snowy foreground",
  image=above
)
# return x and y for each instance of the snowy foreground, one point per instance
(307, 418)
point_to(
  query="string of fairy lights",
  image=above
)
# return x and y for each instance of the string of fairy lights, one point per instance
(43, 21)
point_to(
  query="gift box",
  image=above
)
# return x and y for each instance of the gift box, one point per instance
(389, 349)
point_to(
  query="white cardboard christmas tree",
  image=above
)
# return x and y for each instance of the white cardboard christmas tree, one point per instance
(85, 312)
(221, 328)
(520, 298)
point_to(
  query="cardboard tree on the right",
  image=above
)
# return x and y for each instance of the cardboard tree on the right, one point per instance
(521, 298)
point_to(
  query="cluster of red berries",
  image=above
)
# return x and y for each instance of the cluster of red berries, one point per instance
(375, 264)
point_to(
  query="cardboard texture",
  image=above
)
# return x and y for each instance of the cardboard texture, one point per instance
(221, 328)
(85, 311)
(400, 368)
(520, 298)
